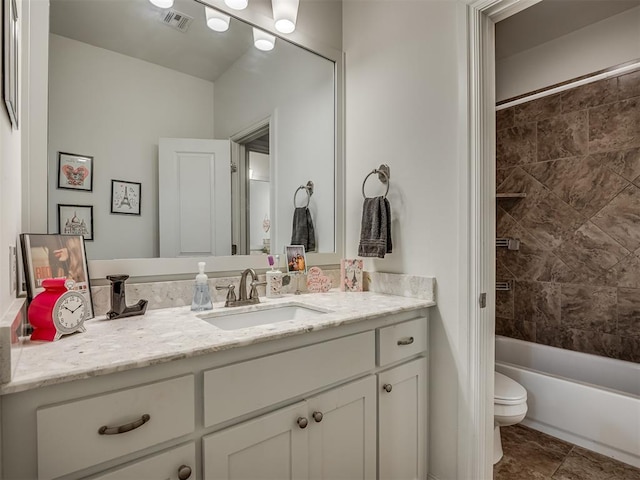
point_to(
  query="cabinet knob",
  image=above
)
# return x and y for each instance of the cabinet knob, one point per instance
(184, 472)
(317, 416)
(387, 387)
(302, 422)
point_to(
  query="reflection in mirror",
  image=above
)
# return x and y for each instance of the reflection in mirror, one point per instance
(125, 74)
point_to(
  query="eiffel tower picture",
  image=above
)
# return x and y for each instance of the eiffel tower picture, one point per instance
(125, 199)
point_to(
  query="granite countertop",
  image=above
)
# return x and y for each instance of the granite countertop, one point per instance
(168, 334)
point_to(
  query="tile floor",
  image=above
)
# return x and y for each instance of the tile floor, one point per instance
(533, 455)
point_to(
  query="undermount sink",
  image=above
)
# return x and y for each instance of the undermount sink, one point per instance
(261, 315)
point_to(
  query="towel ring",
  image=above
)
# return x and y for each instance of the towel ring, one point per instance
(307, 188)
(383, 175)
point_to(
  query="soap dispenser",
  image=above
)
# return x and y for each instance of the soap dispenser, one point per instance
(274, 278)
(201, 294)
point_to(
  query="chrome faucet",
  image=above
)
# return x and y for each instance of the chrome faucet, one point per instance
(232, 301)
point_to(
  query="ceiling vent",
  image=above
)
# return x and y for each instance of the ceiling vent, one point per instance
(177, 20)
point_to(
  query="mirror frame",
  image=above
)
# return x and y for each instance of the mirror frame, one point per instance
(34, 150)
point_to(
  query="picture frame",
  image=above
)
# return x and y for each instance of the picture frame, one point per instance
(126, 197)
(351, 274)
(11, 45)
(296, 259)
(75, 172)
(50, 255)
(76, 220)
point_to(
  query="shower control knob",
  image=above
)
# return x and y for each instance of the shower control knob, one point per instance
(387, 387)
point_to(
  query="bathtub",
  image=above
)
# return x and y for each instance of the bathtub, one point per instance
(591, 401)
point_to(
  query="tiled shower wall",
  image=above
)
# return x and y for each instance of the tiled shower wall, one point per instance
(576, 278)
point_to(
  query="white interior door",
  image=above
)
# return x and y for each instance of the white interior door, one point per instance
(194, 179)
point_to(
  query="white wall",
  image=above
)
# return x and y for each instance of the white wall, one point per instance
(115, 108)
(401, 109)
(609, 42)
(295, 89)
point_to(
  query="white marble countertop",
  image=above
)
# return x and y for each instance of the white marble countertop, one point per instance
(168, 334)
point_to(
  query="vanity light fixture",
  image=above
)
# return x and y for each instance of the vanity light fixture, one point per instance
(162, 3)
(263, 40)
(285, 14)
(216, 20)
(236, 4)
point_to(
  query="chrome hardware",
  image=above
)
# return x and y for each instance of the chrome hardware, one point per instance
(231, 294)
(317, 416)
(509, 243)
(184, 472)
(302, 422)
(104, 430)
(503, 286)
(387, 387)
(405, 341)
(384, 174)
(253, 294)
(308, 188)
(483, 300)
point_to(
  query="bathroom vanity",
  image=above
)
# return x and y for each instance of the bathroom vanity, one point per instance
(341, 393)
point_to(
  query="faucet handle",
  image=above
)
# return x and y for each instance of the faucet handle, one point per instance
(254, 291)
(231, 293)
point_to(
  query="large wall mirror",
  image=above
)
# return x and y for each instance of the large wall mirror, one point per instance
(218, 134)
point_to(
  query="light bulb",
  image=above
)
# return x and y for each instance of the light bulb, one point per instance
(285, 14)
(263, 40)
(217, 21)
(237, 4)
(162, 3)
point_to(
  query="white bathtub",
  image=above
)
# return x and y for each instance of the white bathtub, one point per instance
(585, 399)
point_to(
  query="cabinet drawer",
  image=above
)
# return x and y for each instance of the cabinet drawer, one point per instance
(402, 340)
(249, 386)
(165, 465)
(68, 434)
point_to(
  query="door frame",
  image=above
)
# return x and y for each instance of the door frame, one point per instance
(477, 187)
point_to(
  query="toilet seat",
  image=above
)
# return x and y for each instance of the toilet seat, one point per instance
(508, 391)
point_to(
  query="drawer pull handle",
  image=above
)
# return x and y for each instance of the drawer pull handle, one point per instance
(387, 387)
(184, 472)
(317, 416)
(302, 422)
(405, 341)
(104, 430)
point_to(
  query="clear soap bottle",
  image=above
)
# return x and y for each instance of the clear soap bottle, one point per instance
(201, 295)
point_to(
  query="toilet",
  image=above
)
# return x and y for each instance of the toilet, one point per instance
(509, 408)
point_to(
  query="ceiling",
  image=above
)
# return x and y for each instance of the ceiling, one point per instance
(551, 19)
(135, 28)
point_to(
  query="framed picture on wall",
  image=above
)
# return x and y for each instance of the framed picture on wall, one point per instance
(75, 172)
(55, 256)
(76, 220)
(125, 197)
(11, 42)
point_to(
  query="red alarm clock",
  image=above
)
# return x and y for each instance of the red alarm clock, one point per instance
(57, 311)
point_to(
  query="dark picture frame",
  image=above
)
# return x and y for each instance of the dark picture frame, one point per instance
(46, 255)
(126, 197)
(75, 172)
(76, 220)
(10, 50)
(296, 259)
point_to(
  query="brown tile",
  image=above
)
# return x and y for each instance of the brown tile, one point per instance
(625, 163)
(516, 146)
(562, 136)
(505, 118)
(591, 251)
(504, 304)
(538, 109)
(629, 85)
(502, 174)
(595, 343)
(581, 464)
(554, 336)
(630, 349)
(515, 328)
(626, 273)
(621, 218)
(629, 312)
(534, 451)
(584, 182)
(537, 302)
(615, 126)
(512, 469)
(589, 308)
(520, 181)
(590, 95)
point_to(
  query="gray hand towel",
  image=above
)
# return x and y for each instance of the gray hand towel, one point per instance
(375, 231)
(303, 232)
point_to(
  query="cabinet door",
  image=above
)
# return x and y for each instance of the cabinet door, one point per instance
(342, 432)
(273, 446)
(402, 407)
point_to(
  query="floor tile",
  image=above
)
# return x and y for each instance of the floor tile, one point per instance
(583, 464)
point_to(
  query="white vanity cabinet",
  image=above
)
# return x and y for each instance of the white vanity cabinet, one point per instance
(307, 406)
